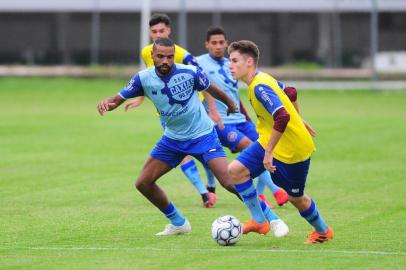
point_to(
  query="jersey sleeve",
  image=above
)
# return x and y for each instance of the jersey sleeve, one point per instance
(133, 88)
(201, 80)
(267, 96)
(189, 59)
(281, 85)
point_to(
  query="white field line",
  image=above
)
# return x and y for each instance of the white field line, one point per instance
(225, 249)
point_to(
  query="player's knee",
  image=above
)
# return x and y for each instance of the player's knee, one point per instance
(231, 169)
(301, 203)
(140, 184)
(236, 172)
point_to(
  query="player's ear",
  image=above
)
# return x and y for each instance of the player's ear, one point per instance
(250, 61)
(206, 44)
(169, 31)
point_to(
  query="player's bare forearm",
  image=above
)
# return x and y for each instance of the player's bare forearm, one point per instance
(244, 111)
(309, 128)
(268, 158)
(219, 94)
(296, 105)
(213, 113)
(109, 104)
(134, 103)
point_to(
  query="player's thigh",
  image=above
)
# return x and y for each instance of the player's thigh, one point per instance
(244, 143)
(230, 137)
(153, 169)
(219, 167)
(252, 159)
(291, 177)
(249, 130)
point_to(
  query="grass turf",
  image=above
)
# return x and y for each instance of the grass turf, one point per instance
(67, 198)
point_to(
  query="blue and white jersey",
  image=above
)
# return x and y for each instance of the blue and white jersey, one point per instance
(218, 72)
(175, 98)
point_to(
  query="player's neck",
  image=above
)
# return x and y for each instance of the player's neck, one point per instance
(216, 58)
(250, 76)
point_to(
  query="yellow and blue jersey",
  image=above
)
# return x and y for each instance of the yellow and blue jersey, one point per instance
(266, 97)
(181, 56)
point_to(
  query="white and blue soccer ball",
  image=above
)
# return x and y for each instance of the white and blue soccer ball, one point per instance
(226, 230)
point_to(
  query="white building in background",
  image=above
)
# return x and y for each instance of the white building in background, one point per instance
(329, 32)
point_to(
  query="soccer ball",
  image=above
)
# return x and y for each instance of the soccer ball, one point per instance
(226, 230)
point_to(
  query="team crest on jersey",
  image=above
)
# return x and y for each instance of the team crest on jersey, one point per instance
(179, 89)
(232, 136)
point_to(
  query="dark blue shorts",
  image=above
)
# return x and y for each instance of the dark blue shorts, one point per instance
(204, 148)
(290, 177)
(232, 134)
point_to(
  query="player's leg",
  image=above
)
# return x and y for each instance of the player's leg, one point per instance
(247, 165)
(309, 211)
(229, 137)
(153, 169)
(293, 178)
(211, 154)
(264, 179)
(189, 168)
(244, 185)
(161, 161)
(211, 180)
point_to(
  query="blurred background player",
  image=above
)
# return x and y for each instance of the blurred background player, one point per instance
(235, 131)
(159, 27)
(188, 129)
(284, 146)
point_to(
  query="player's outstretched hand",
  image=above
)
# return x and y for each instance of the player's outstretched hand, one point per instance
(133, 103)
(104, 106)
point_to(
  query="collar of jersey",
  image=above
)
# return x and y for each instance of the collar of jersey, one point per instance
(221, 61)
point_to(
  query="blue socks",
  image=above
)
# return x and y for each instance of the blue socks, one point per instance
(249, 195)
(174, 216)
(211, 181)
(313, 216)
(264, 179)
(268, 213)
(190, 170)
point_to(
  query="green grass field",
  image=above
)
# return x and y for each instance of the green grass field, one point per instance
(67, 196)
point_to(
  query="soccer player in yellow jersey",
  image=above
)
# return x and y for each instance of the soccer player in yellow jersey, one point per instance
(159, 27)
(284, 146)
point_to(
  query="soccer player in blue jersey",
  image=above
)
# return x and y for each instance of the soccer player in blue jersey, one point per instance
(159, 27)
(188, 130)
(234, 131)
(284, 146)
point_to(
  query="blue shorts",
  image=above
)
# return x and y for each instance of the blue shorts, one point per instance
(290, 177)
(231, 135)
(204, 148)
